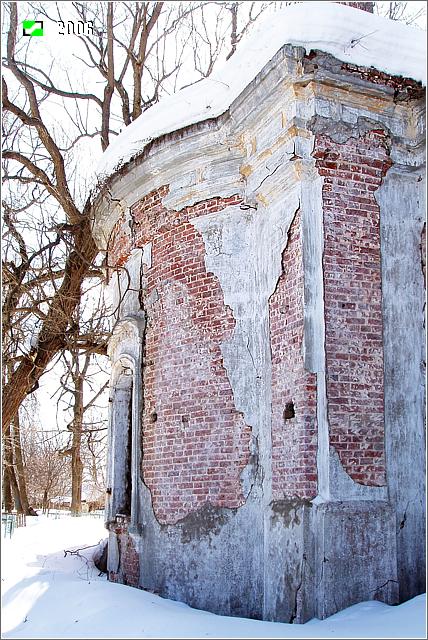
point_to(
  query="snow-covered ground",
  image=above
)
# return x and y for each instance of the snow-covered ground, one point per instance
(47, 595)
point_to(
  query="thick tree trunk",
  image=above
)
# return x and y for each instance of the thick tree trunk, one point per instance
(19, 464)
(52, 337)
(7, 491)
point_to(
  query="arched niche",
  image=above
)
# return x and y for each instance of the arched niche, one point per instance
(125, 351)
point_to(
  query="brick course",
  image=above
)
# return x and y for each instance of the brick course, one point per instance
(352, 172)
(294, 440)
(119, 246)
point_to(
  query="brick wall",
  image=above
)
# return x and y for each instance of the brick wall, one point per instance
(195, 444)
(294, 440)
(353, 301)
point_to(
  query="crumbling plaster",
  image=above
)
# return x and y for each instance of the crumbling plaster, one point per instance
(402, 201)
(262, 149)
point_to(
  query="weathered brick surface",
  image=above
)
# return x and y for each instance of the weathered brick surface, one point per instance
(129, 569)
(353, 301)
(195, 444)
(130, 563)
(364, 6)
(294, 440)
(120, 245)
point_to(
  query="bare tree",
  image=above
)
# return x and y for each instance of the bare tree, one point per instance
(82, 387)
(129, 58)
(48, 475)
(407, 12)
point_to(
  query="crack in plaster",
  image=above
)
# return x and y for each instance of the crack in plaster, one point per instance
(296, 593)
(244, 252)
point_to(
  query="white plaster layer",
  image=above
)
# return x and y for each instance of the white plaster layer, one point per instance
(401, 199)
(126, 284)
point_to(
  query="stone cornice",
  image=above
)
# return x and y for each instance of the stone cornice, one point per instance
(268, 125)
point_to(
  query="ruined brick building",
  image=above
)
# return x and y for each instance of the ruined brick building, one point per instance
(267, 393)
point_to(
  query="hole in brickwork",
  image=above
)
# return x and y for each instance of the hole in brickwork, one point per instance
(153, 416)
(289, 411)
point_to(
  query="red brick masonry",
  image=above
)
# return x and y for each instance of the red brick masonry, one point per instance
(353, 300)
(129, 570)
(195, 444)
(294, 440)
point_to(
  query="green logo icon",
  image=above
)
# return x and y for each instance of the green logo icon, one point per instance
(32, 28)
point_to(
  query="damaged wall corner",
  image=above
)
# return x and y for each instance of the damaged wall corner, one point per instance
(268, 349)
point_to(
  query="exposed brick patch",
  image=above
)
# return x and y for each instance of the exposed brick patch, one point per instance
(403, 87)
(353, 301)
(294, 440)
(119, 246)
(195, 444)
(130, 562)
(364, 6)
(129, 569)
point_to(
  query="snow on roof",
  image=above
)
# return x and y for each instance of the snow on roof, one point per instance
(349, 34)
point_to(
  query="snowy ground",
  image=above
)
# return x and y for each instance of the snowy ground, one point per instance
(47, 595)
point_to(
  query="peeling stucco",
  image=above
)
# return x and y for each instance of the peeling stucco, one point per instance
(285, 560)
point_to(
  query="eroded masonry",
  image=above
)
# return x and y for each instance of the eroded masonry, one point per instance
(267, 395)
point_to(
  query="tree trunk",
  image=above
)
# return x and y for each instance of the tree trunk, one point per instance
(137, 107)
(8, 463)
(53, 332)
(15, 490)
(7, 491)
(45, 501)
(19, 464)
(76, 462)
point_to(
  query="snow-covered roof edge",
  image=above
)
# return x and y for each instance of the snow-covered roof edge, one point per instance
(350, 35)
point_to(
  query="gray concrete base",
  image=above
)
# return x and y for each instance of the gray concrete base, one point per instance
(356, 558)
(289, 586)
(288, 562)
